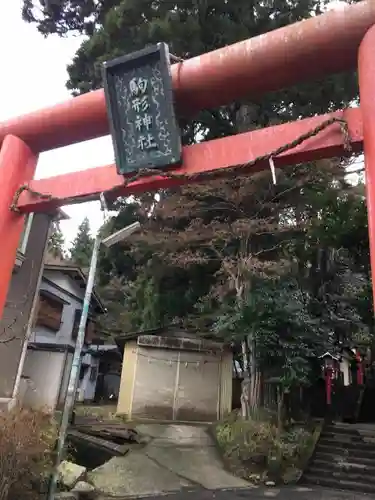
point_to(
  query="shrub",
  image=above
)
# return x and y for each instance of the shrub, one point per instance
(27, 438)
(256, 446)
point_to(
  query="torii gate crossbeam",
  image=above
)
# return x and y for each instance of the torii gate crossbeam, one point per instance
(307, 50)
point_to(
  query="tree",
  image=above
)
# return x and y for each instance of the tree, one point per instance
(56, 242)
(235, 228)
(132, 271)
(82, 246)
(287, 337)
(343, 259)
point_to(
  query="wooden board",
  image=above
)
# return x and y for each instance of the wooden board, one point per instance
(115, 449)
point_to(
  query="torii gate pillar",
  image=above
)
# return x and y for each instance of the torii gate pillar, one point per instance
(17, 166)
(366, 75)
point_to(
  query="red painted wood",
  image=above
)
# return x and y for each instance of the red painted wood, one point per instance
(328, 377)
(366, 74)
(218, 154)
(262, 64)
(17, 166)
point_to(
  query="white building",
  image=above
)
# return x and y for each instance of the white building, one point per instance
(52, 341)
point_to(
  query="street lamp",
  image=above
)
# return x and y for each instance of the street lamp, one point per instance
(114, 238)
(120, 235)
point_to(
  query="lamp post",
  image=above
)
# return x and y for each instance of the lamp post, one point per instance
(114, 238)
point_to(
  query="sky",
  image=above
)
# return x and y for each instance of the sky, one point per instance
(35, 69)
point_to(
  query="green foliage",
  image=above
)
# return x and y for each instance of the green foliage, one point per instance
(147, 298)
(81, 249)
(254, 448)
(56, 242)
(339, 275)
(275, 314)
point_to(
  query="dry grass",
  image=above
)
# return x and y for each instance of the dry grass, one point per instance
(27, 439)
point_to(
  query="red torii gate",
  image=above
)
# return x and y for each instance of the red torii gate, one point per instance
(310, 49)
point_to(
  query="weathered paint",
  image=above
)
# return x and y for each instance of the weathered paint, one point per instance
(17, 166)
(153, 394)
(271, 61)
(165, 384)
(366, 74)
(200, 158)
(226, 384)
(20, 298)
(129, 363)
(40, 364)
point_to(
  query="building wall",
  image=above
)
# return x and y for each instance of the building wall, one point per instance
(20, 299)
(87, 386)
(129, 364)
(63, 286)
(169, 384)
(226, 384)
(65, 379)
(45, 371)
(155, 383)
(54, 366)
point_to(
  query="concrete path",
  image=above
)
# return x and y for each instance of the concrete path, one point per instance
(177, 457)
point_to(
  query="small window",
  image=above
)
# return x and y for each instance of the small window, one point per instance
(25, 234)
(50, 311)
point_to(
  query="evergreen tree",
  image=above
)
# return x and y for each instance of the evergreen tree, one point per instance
(81, 250)
(56, 242)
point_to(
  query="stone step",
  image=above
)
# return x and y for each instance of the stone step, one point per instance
(334, 458)
(341, 428)
(337, 446)
(347, 444)
(344, 464)
(350, 429)
(355, 474)
(330, 482)
(343, 434)
(344, 459)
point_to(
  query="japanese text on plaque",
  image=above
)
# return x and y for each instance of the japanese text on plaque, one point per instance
(140, 103)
